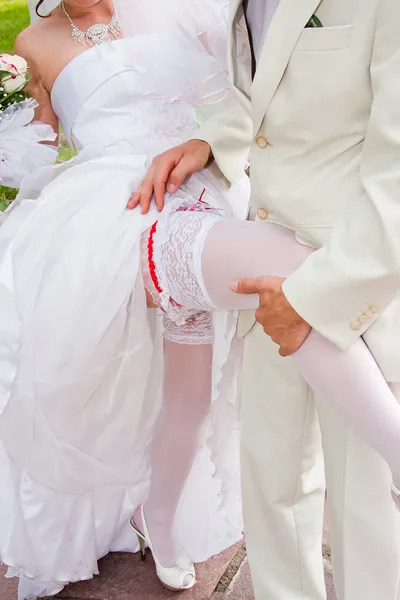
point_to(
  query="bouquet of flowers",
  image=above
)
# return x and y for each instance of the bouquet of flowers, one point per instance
(13, 79)
(21, 147)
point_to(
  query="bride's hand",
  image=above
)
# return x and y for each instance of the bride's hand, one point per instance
(167, 173)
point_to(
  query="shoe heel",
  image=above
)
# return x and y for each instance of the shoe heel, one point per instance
(140, 537)
(178, 578)
(142, 547)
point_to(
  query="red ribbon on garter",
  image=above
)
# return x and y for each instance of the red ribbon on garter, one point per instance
(150, 248)
(152, 266)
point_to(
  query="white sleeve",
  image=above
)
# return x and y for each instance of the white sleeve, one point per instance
(229, 132)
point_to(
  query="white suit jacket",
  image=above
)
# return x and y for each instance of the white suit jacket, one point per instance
(323, 118)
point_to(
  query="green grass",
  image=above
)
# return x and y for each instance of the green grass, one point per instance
(65, 152)
(6, 197)
(14, 16)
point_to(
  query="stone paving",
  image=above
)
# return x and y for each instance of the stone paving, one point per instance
(126, 577)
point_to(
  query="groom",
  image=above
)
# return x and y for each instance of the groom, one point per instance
(319, 86)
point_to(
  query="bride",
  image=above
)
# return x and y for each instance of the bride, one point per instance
(120, 367)
(90, 431)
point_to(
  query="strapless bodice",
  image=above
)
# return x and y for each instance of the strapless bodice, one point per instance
(141, 90)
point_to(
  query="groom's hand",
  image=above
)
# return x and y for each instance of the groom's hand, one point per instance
(168, 171)
(278, 318)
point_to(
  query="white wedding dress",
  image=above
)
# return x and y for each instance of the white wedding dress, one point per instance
(80, 354)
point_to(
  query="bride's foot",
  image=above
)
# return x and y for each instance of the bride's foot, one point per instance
(175, 573)
(160, 530)
(396, 496)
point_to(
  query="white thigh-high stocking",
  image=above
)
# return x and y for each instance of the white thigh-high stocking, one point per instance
(209, 252)
(187, 384)
(186, 402)
(350, 381)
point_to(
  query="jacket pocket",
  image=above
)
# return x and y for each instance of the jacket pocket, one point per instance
(322, 39)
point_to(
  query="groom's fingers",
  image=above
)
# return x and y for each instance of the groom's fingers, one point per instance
(167, 173)
(161, 177)
(146, 189)
(182, 171)
(134, 200)
(146, 193)
(248, 286)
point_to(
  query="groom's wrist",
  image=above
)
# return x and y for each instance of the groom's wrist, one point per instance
(210, 158)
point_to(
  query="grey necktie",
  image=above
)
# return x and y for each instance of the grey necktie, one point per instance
(253, 58)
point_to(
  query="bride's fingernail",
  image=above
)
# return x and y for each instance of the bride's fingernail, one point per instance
(171, 189)
(234, 286)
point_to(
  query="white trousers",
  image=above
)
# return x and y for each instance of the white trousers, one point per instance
(284, 490)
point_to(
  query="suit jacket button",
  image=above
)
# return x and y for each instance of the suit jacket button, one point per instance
(262, 214)
(356, 326)
(261, 142)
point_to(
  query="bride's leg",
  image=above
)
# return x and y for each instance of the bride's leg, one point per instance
(209, 253)
(186, 402)
(351, 381)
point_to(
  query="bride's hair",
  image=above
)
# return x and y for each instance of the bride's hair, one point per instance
(38, 5)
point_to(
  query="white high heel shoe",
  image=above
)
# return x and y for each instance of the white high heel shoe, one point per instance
(177, 579)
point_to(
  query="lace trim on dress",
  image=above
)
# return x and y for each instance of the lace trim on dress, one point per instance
(196, 330)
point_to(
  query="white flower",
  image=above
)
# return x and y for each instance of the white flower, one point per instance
(20, 64)
(6, 65)
(13, 82)
(16, 69)
(13, 64)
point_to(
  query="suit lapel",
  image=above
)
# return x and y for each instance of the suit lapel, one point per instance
(284, 31)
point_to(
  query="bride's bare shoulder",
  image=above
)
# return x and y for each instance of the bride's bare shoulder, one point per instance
(40, 45)
(36, 41)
